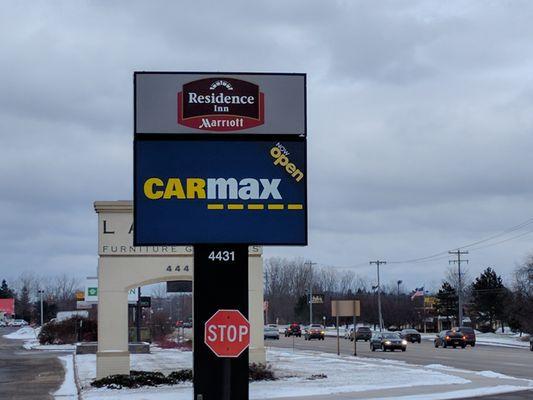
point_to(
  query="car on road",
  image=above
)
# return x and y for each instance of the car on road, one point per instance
(469, 333)
(293, 330)
(2, 324)
(314, 331)
(17, 323)
(271, 332)
(411, 335)
(531, 342)
(362, 333)
(387, 341)
(348, 333)
(450, 338)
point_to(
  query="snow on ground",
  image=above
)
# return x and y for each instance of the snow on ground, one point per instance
(30, 335)
(344, 374)
(68, 389)
(26, 332)
(460, 394)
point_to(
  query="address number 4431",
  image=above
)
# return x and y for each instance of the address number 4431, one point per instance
(222, 255)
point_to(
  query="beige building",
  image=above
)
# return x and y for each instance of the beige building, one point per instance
(122, 266)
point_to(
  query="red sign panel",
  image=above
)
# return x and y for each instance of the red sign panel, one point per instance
(7, 306)
(227, 333)
(221, 104)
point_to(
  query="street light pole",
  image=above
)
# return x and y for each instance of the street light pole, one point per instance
(310, 291)
(378, 263)
(42, 316)
(399, 283)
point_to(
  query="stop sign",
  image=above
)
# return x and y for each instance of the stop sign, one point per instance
(227, 333)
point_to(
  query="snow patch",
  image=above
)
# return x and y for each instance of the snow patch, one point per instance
(23, 333)
(68, 389)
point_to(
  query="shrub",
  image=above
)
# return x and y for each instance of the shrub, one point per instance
(138, 379)
(172, 344)
(183, 375)
(486, 329)
(261, 372)
(68, 331)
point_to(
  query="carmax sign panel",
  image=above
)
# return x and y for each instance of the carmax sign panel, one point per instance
(194, 191)
(185, 103)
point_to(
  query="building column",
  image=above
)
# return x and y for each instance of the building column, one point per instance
(112, 356)
(255, 311)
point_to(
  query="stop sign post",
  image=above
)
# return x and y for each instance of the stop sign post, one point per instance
(221, 329)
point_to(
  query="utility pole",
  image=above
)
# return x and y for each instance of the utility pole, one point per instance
(378, 263)
(139, 315)
(42, 315)
(458, 254)
(310, 291)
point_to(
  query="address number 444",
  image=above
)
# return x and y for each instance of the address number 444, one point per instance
(177, 268)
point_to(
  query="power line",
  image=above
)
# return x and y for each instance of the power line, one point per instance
(433, 257)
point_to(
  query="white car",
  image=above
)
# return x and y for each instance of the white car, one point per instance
(17, 322)
(2, 324)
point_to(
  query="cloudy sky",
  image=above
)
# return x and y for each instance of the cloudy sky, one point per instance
(419, 117)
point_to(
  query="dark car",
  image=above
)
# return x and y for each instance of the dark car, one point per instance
(469, 333)
(411, 335)
(362, 333)
(387, 341)
(314, 331)
(531, 342)
(450, 338)
(293, 329)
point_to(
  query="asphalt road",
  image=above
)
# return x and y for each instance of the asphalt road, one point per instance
(508, 361)
(28, 375)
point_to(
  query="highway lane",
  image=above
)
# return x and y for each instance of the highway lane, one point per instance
(508, 361)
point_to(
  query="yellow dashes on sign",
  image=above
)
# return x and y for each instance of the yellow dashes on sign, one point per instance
(233, 206)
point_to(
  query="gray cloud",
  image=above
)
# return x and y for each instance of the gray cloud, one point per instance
(419, 120)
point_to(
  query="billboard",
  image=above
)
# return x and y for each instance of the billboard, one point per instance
(230, 191)
(214, 103)
(7, 306)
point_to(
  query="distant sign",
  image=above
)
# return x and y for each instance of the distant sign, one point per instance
(216, 191)
(345, 308)
(146, 301)
(317, 299)
(7, 306)
(190, 102)
(91, 291)
(179, 286)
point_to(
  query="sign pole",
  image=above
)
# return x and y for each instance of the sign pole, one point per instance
(220, 290)
(338, 340)
(354, 333)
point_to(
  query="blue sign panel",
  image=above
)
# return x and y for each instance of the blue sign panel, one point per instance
(220, 191)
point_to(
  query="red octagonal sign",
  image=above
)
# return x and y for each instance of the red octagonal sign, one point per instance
(227, 333)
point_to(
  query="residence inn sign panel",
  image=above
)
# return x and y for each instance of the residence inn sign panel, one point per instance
(211, 103)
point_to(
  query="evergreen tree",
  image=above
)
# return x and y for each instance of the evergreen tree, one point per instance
(23, 307)
(447, 300)
(489, 297)
(5, 291)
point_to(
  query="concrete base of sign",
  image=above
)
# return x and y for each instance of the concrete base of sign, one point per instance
(92, 348)
(122, 266)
